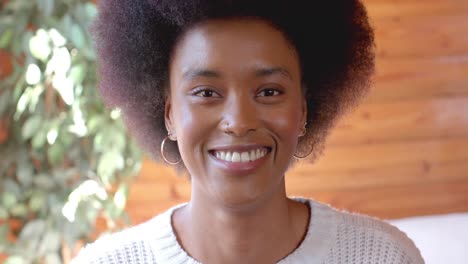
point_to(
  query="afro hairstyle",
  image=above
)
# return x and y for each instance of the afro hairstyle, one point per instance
(135, 39)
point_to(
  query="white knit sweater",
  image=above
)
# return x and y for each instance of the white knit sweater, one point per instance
(333, 236)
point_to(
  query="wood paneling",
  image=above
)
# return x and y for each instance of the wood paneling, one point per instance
(304, 178)
(379, 155)
(420, 78)
(424, 119)
(389, 9)
(390, 202)
(422, 36)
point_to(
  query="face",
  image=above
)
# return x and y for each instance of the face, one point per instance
(236, 108)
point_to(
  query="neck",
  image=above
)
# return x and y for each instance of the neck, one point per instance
(261, 232)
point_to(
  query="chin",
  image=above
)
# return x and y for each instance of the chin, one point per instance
(241, 200)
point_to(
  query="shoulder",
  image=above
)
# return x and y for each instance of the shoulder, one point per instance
(132, 245)
(362, 237)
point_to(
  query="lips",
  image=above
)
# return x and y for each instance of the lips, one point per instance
(240, 159)
(240, 156)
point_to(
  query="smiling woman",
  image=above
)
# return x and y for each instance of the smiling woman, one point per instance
(242, 89)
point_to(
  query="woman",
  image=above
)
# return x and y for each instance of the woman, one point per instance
(233, 92)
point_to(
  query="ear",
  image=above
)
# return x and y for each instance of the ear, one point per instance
(304, 111)
(168, 117)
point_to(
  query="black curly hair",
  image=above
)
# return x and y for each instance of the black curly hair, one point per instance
(135, 39)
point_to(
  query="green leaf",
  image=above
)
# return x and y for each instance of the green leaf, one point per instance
(4, 230)
(53, 258)
(39, 139)
(51, 242)
(120, 197)
(61, 177)
(108, 164)
(12, 187)
(38, 201)
(89, 53)
(15, 260)
(94, 123)
(44, 181)
(23, 102)
(19, 210)
(39, 45)
(32, 229)
(91, 10)
(117, 140)
(77, 73)
(25, 38)
(77, 36)
(65, 25)
(31, 126)
(55, 153)
(3, 213)
(25, 173)
(5, 38)
(5, 99)
(92, 214)
(110, 139)
(9, 199)
(46, 7)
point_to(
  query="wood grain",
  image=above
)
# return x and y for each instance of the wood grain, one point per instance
(402, 191)
(380, 155)
(304, 178)
(392, 202)
(411, 78)
(409, 120)
(389, 9)
(424, 36)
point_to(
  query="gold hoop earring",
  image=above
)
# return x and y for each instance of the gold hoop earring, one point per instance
(304, 129)
(301, 135)
(297, 157)
(164, 156)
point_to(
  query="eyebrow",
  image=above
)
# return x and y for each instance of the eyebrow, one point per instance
(194, 73)
(262, 72)
(272, 71)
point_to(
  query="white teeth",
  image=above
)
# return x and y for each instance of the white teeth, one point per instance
(240, 156)
(236, 157)
(245, 156)
(252, 155)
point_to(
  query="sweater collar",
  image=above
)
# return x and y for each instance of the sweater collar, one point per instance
(313, 248)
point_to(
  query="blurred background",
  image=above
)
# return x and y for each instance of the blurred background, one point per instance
(69, 171)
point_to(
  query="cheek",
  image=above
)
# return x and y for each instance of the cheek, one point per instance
(285, 123)
(193, 126)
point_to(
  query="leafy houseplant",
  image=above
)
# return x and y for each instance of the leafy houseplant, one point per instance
(65, 160)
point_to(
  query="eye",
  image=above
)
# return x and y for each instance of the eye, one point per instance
(205, 92)
(269, 92)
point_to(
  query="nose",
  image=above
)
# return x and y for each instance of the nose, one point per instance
(239, 117)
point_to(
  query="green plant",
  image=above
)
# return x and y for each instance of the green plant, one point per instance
(67, 160)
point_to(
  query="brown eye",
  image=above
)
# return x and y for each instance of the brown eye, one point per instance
(269, 92)
(205, 93)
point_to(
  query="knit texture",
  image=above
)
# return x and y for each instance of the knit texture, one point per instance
(333, 236)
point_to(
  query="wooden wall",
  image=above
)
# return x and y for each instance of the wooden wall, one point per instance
(404, 151)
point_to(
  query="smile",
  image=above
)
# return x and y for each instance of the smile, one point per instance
(238, 156)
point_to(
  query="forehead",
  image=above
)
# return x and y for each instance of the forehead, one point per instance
(234, 45)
